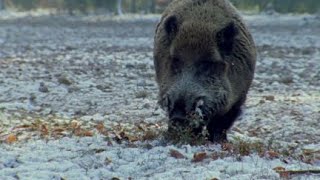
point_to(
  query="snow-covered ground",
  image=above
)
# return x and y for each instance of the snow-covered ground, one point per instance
(61, 77)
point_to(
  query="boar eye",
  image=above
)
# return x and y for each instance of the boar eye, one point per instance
(176, 65)
(205, 66)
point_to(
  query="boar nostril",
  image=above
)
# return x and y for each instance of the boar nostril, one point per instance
(178, 114)
(199, 102)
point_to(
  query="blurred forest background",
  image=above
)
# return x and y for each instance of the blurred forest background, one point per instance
(74, 7)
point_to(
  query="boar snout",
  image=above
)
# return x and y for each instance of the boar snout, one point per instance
(182, 111)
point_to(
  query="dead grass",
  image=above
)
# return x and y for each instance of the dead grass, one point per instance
(55, 128)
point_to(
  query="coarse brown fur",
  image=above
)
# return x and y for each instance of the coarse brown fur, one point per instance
(204, 51)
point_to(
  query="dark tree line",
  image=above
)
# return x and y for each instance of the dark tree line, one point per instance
(152, 6)
(281, 6)
(85, 6)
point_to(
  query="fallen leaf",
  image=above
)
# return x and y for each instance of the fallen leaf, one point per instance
(272, 154)
(149, 135)
(215, 156)
(157, 126)
(117, 136)
(227, 147)
(58, 129)
(107, 161)
(22, 126)
(198, 157)
(100, 126)
(262, 101)
(44, 130)
(132, 138)
(87, 133)
(11, 138)
(81, 132)
(75, 124)
(309, 152)
(139, 126)
(101, 129)
(279, 168)
(284, 174)
(269, 98)
(176, 154)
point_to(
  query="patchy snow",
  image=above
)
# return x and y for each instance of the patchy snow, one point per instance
(100, 69)
(91, 158)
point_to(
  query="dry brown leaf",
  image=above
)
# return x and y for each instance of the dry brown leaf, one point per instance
(82, 132)
(58, 129)
(22, 126)
(309, 152)
(44, 130)
(227, 147)
(78, 132)
(100, 126)
(107, 161)
(269, 98)
(132, 138)
(262, 101)
(272, 154)
(139, 126)
(102, 129)
(284, 174)
(279, 169)
(237, 130)
(59, 134)
(11, 138)
(157, 126)
(176, 154)
(87, 133)
(117, 136)
(149, 135)
(198, 157)
(124, 136)
(75, 124)
(215, 156)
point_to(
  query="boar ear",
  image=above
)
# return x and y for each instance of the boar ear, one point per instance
(171, 26)
(226, 38)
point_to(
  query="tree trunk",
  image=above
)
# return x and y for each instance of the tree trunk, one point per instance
(153, 6)
(119, 7)
(133, 6)
(1, 5)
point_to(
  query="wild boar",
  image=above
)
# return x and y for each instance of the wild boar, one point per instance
(204, 57)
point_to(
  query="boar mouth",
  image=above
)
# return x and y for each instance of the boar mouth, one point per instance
(194, 119)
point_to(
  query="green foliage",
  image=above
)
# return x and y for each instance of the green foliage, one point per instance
(24, 5)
